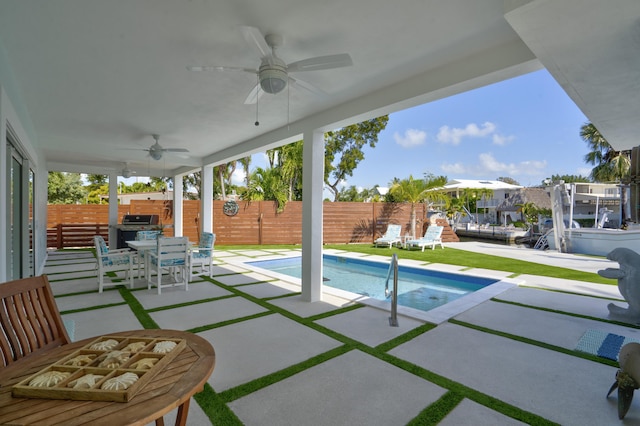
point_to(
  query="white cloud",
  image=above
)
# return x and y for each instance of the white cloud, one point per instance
(454, 135)
(411, 138)
(488, 165)
(456, 168)
(499, 139)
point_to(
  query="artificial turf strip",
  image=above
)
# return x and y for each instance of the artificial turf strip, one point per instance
(433, 414)
(138, 310)
(404, 338)
(91, 308)
(548, 346)
(257, 384)
(229, 322)
(571, 314)
(195, 302)
(215, 408)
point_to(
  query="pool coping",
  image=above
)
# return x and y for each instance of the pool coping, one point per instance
(436, 316)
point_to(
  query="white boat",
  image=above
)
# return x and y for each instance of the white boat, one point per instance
(597, 241)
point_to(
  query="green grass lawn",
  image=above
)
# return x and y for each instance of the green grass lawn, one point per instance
(456, 257)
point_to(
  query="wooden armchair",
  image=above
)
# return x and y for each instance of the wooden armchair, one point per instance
(29, 318)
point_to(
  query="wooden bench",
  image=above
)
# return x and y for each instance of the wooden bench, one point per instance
(29, 318)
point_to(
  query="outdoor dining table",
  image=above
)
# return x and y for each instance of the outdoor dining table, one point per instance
(172, 387)
(143, 246)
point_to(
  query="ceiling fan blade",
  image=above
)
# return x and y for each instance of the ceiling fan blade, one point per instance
(218, 68)
(254, 37)
(296, 82)
(175, 149)
(253, 96)
(321, 63)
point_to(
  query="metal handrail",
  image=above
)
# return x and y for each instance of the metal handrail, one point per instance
(393, 267)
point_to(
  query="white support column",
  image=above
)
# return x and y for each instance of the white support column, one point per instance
(113, 209)
(312, 188)
(206, 200)
(177, 206)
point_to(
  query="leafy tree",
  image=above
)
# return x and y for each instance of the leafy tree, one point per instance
(267, 184)
(96, 181)
(345, 147)
(570, 178)
(352, 193)
(509, 180)
(609, 165)
(65, 188)
(415, 191)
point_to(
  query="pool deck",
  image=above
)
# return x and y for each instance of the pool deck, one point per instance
(282, 361)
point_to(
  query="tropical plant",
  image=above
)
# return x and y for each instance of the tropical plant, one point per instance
(415, 191)
(267, 184)
(609, 165)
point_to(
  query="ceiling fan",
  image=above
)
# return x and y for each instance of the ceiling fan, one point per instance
(273, 72)
(156, 150)
(126, 171)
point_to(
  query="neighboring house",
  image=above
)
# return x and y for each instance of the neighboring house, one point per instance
(501, 191)
(507, 210)
(157, 195)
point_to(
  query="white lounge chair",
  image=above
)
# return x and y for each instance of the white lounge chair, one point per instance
(391, 237)
(432, 237)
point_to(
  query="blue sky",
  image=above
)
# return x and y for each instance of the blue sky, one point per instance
(525, 128)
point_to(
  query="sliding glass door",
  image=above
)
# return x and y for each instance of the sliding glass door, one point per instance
(20, 261)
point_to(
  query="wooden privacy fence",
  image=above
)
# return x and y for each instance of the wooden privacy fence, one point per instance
(256, 222)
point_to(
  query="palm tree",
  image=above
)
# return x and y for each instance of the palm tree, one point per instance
(609, 165)
(416, 191)
(267, 184)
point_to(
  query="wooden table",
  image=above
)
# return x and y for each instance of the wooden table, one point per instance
(170, 388)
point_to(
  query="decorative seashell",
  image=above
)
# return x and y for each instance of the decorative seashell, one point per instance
(121, 382)
(85, 382)
(134, 347)
(48, 379)
(114, 359)
(105, 345)
(164, 347)
(629, 359)
(80, 360)
(144, 363)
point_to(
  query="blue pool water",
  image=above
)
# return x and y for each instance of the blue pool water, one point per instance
(417, 288)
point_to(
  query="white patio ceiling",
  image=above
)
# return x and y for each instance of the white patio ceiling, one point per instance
(97, 77)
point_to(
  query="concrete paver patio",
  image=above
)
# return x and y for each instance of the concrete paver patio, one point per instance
(280, 360)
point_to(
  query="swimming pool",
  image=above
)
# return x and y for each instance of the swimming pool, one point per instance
(420, 289)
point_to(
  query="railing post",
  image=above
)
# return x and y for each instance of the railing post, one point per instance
(393, 268)
(59, 236)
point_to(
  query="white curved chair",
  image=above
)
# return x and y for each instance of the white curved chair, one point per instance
(112, 261)
(202, 255)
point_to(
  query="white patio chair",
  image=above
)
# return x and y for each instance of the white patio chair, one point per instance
(171, 256)
(432, 237)
(144, 236)
(202, 255)
(391, 237)
(112, 261)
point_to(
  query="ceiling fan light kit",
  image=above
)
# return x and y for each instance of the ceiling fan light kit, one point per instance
(273, 77)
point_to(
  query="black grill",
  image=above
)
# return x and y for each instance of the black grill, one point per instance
(131, 224)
